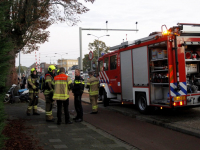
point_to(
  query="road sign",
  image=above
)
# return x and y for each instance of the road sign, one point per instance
(90, 55)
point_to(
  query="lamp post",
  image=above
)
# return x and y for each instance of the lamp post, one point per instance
(98, 42)
(61, 57)
(50, 58)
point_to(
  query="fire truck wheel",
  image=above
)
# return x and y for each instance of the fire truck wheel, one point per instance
(105, 99)
(142, 103)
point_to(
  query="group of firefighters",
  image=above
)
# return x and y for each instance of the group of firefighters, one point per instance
(57, 87)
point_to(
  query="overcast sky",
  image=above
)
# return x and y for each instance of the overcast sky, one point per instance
(150, 15)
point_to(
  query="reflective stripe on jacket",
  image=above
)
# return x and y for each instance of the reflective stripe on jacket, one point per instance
(61, 87)
(93, 84)
(32, 84)
(48, 85)
(78, 85)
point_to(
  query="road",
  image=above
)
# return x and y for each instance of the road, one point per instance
(135, 132)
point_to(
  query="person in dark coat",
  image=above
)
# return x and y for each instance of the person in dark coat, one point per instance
(78, 91)
(23, 81)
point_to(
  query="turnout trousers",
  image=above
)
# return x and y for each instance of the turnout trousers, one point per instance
(49, 106)
(65, 104)
(93, 101)
(78, 106)
(33, 97)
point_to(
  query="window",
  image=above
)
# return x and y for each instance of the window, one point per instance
(101, 66)
(113, 62)
(105, 65)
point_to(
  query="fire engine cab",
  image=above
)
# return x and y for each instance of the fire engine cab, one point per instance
(161, 70)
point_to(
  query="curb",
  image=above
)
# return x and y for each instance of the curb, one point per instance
(171, 126)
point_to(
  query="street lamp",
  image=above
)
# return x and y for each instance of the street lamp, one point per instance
(98, 41)
(61, 57)
(50, 58)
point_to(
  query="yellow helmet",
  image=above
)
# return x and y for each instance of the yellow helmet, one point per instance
(32, 70)
(51, 68)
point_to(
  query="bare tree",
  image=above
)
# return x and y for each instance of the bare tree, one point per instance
(29, 20)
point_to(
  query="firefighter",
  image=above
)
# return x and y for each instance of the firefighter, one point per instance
(93, 85)
(62, 85)
(48, 92)
(78, 91)
(33, 86)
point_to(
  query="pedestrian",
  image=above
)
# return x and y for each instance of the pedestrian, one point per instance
(33, 86)
(18, 79)
(78, 91)
(48, 92)
(62, 85)
(23, 81)
(93, 85)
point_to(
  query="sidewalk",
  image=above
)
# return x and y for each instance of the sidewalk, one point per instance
(76, 136)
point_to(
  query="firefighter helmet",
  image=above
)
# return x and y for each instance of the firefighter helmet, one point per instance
(32, 70)
(51, 68)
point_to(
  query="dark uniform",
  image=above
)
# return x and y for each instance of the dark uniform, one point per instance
(33, 83)
(78, 91)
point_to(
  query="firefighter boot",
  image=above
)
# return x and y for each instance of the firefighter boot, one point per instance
(28, 112)
(35, 110)
(49, 118)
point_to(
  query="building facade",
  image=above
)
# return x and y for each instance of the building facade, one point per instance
(67, 63)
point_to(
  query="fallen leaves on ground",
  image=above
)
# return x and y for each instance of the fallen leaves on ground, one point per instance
(18, 137)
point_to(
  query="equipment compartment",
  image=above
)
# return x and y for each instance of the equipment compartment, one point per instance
(159, 74)
(192, 68)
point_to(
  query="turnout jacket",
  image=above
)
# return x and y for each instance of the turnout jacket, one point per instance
(93, 85)
(33, 85)
(78, 85)
(62, 85)
(49, 82)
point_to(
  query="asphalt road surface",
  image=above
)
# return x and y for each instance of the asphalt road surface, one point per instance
(140, 134)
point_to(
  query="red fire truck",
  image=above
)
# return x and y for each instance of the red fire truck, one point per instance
(161, 70)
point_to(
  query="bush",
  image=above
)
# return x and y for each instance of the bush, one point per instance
(2, 120)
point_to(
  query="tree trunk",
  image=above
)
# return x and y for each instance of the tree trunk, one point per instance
(12, 74)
